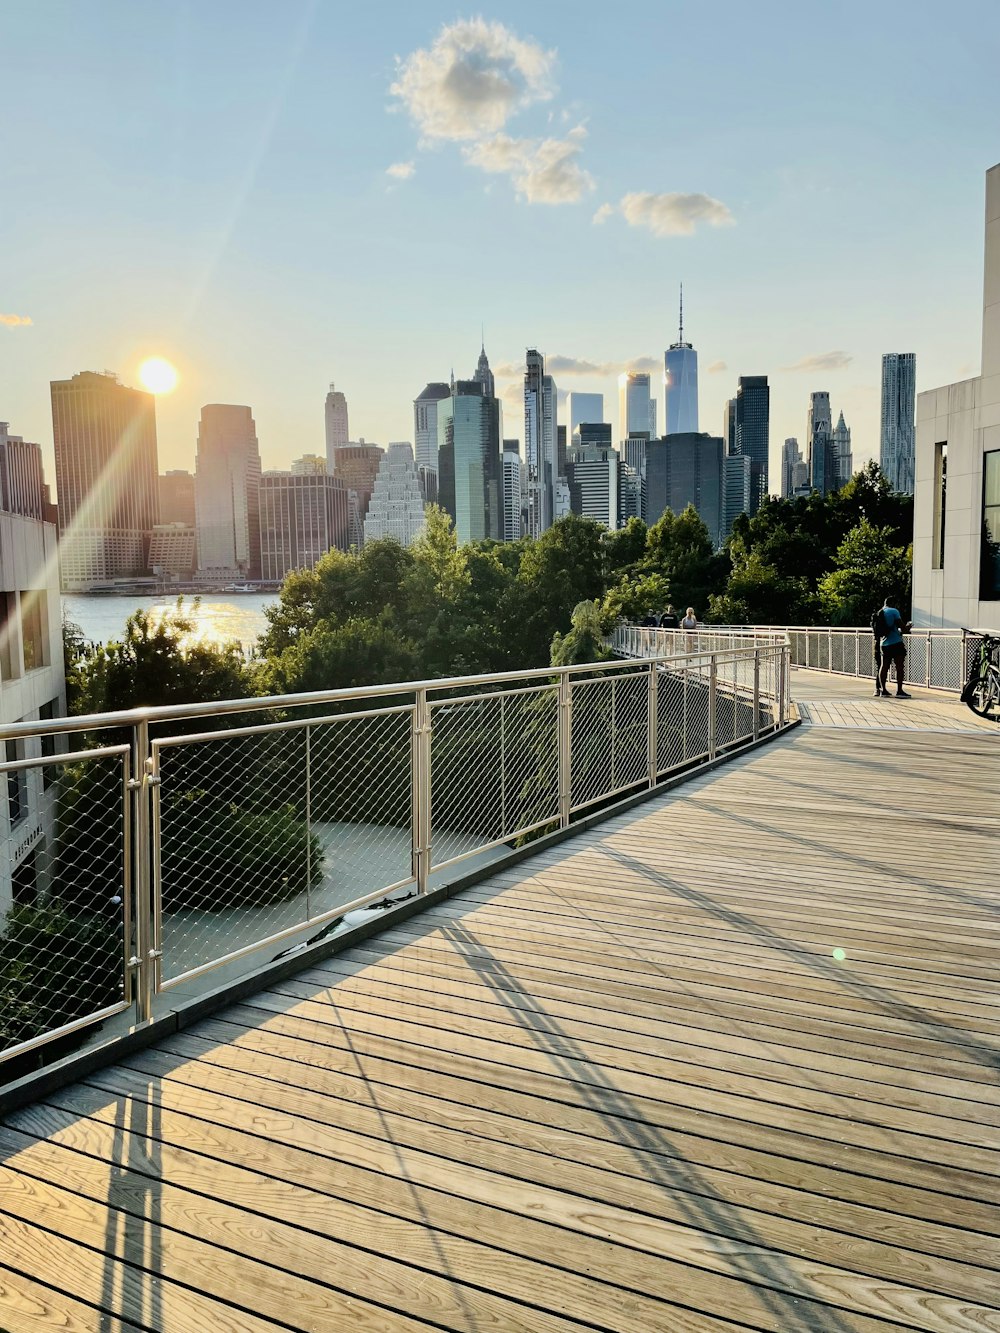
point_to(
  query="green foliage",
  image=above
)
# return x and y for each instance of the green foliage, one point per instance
(635, 597)
(584, 642)
(156, 662)
(868, 569)
(56, 967)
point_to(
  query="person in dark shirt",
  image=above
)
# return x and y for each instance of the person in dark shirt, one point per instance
(891, 631)
(669, 619)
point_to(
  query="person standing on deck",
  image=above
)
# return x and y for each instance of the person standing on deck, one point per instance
(892, 630)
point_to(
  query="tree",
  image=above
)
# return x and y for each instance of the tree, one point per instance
(584, 642)
(679, 549)
(869, 568)
(563, 567)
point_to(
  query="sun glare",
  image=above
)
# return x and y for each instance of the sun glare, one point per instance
(157, 375)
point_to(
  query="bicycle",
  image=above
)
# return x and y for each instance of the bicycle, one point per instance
(982, 689)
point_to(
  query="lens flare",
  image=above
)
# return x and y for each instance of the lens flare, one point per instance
(157, 375)
(840, 954)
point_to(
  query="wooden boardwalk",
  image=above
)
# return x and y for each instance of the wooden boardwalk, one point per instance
(730, 1060)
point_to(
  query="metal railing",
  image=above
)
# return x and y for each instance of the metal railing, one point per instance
(937, 659)
(172, 842)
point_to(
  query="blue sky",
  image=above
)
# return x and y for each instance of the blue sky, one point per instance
(208, 182)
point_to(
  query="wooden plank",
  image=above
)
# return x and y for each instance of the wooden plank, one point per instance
(708, 1271)
(27, 1306)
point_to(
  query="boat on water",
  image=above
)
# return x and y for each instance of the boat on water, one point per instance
(240, 587)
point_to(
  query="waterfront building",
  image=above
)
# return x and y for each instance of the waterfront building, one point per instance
(680, 379)
(173, 552)
(176, 497)
(513, 500)
(592, 474)
(356, 465)
(22, 484)
(227, 494)
(753, 417)
(956, 510)
(425, 424)
(469, 477)
(32, 687)
(106, 476)
(897, 441)
(540, 443)
(736, 484)
(684, 469)
(397, 506)
(302, 516)
(791, 457)
(337, 431)
(584, 407)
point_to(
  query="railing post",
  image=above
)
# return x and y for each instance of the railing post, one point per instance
(929, 674)
(421, 819)
(145, 934)
(712, 691)
(829, 650)
(756, 693)
(965, 659)
(653, 726)
(565, 748)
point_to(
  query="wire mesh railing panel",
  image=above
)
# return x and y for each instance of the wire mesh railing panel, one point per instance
(630, 751)
(916, 658)
(670, 698)
(697, 708)
(65, 929)
(494, 769)
(360, 788)
(949, 668)
(261, 830)
(591, 767)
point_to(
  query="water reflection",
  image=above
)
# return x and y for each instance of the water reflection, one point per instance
(219, 616)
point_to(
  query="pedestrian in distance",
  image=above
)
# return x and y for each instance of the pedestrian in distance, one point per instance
(669, 619)
(891, 630)
(690, 620)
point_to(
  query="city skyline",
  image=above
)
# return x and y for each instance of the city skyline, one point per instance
(203, 231)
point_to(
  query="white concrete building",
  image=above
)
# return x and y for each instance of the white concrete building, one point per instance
(513, 499)
(32, 686)
(227, 493)
(396, 508)
(956, 520)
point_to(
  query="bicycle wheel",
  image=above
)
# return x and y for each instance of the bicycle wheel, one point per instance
(983, 695)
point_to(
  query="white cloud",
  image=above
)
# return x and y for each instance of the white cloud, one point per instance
(570, 366)
(472, 79)
(401, 171)
(15, 321)
(543, 171)
(824, 361)
(717, 367)
(668, 214)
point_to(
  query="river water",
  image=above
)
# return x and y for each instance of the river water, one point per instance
(218, 617)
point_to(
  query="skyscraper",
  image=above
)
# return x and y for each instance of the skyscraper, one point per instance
(899, 386)
(680, 374)
(736, 472)
(22, 485)
(356, 464)
(176, 492)
(302, 516)
(592, 474)
(425, 424)
(469, 459)
(819, 442)
(309, 465)
(753, 416)
(584, 407)
(633, 488)
(540, 443)
(106, 476)
(636, 407)
(840, 444)
(685, 469)
(337, 433)
(791, 456)
(396, 508)
(729, 425)
(227, 493)
(512, 497)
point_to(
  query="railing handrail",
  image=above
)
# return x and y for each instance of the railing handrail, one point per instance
(131, 717)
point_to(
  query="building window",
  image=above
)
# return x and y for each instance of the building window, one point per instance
(34, 629)
(17, 784)
(940, 507)
(989, 561)
(24, 882)
(10, 657)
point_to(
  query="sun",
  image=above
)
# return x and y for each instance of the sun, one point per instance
(157, 375)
